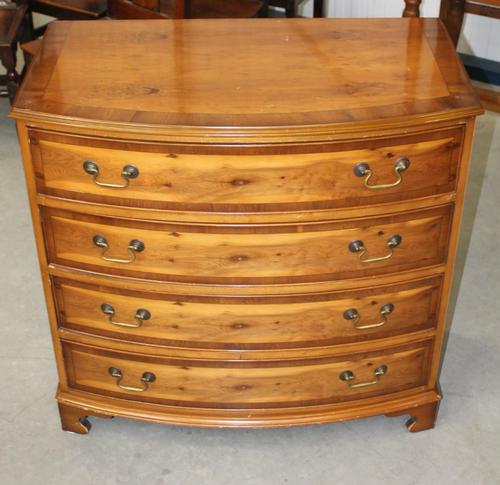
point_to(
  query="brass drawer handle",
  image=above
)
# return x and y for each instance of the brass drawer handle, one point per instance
(364, 170)
(349, 377)
(353, 315)
(135, 246)
(128, 172)
(359, 247)
(146, 379)
(140, 315)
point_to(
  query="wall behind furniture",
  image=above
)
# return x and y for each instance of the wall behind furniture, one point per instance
(480, 35)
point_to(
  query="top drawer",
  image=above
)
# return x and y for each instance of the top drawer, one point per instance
(240, 179)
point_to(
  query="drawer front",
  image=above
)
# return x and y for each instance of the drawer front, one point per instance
(249, 323)
(238, 179)
(233, 384)
(248, 254)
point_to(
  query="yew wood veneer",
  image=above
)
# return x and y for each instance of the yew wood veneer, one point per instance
(233, 235)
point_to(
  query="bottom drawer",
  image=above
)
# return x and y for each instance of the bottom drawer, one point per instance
(232, 384)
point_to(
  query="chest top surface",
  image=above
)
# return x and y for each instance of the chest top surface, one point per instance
(246, 74)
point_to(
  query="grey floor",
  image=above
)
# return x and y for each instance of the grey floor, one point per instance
(464, 448)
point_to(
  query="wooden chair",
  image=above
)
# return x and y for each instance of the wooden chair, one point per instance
(150, 9)
(452, 13)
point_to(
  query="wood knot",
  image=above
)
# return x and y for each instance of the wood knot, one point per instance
(350, 88)
(239, 182)
(242, 387)
(238, 258)
(239, 325)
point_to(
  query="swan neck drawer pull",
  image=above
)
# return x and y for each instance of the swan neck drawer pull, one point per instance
(359, 247)
(135, 246)
(146, 379)
(353, 315)
(140, 315)
(349, 377)
(128, 172)
(364, 170)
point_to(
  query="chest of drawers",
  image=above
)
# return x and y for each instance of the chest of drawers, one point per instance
(246, 223)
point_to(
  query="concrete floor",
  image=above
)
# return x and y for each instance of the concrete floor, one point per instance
(464, 448)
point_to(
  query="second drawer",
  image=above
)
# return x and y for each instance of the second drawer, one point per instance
(248, 254)
(249, 322)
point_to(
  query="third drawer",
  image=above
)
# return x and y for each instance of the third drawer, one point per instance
(243, 322)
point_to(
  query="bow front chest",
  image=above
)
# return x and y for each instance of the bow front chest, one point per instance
(246, 223)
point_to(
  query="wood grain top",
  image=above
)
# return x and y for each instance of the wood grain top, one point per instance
(240, 78)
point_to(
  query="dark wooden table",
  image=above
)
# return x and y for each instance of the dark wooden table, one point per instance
(11, 27)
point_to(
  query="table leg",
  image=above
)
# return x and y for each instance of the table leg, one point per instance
(9, 60)
(318, 8)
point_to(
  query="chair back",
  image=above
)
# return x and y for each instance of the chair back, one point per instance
(452, 13)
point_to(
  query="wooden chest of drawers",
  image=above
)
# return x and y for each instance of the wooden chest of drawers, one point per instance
(247, 223)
